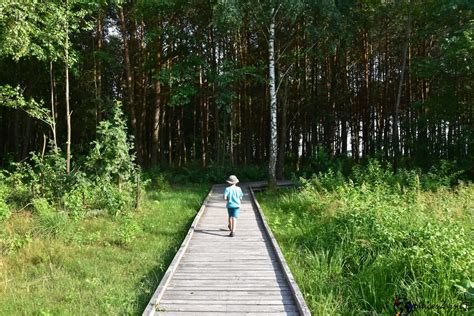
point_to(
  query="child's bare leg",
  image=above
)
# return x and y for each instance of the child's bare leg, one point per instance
(230, 223)
(234, 223)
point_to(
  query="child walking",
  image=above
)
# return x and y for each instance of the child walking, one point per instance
(233, 194)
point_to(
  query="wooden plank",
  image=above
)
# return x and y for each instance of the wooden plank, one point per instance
(231, 296)
(300, 302)
(243, 265)
(227, 308)
(249, 278)
(231, 274)
(235, 270)
(225, 314)
(218, 275)
(229, 287)
(150, 308)
(230, 301)
(228, 269)
(185, 273)
(285, 292)
(223, 282)
(249, 260)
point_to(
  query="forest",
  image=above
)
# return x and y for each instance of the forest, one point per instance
(113, 112)
(387, 79)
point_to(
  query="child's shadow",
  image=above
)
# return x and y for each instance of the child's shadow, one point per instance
(211, 231)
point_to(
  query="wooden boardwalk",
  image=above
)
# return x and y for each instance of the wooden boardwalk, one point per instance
(214, 274)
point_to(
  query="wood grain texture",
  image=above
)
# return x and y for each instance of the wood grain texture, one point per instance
(214, 274)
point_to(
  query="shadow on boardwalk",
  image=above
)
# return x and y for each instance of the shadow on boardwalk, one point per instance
(216, 274)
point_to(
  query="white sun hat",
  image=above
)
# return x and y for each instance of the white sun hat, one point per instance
(232, 180)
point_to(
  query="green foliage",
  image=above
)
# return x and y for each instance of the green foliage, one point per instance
(181, 80)
(128, 231)
(13, 98)
(100, 265)
(19, 191)
(107, 182)
(52, 221)
(14, 243)
(111, 167)
(357, 243)
(39, 29)
(113, 199)
(4, 208)
(48, 174)
(442, 174)
(110, 158)
(161, 177)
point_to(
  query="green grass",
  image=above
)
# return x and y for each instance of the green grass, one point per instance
(104, 265)
(355, 246)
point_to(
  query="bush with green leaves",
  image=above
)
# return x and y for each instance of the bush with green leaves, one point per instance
(106, 181)
(4, 190)
(113, 199)
(111, 158)
(49, 176)
(161, 177)
(127, 231)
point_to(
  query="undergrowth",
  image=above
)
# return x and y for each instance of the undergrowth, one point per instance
(357, 244)
(52, 264)
(105, 181)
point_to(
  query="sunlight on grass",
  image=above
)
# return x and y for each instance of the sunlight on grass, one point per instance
(355, 247)
(105, 265)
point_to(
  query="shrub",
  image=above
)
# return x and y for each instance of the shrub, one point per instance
(127, 231)
(4, 210)
(115, 200)
(20, 190)
(442, 174)
(105, 181)
(74, 202)
(52, 221)
(110, 158)
(48, 175)
(4, 191)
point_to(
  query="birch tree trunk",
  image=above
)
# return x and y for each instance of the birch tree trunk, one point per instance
(53, 112)
(68, 113)
(273, 106)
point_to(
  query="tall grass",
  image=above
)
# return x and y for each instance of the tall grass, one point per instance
(355, 245)
(52, 264)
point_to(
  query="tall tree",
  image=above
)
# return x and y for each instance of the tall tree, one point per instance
(273, 103)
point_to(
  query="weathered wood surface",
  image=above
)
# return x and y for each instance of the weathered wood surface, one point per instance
(214, 274)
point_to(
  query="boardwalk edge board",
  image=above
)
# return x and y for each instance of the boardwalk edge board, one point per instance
(151, 308)
(295, 290)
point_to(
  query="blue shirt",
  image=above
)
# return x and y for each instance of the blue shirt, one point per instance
(233, 194)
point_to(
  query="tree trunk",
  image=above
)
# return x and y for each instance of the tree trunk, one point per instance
(53, 112)
(68, 112)
(98, 68)
(283, 130)
(156, 110)
(273, 106)
(129, 77)
(396, 136)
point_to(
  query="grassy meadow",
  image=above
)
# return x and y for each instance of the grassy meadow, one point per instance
(98, 265)
(357, 244)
